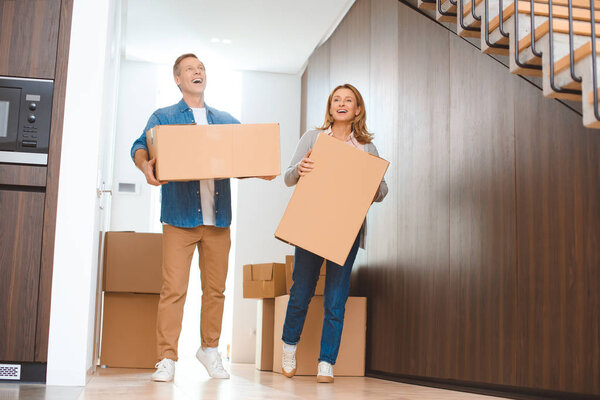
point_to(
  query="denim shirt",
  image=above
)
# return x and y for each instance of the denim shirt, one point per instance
(181, 205)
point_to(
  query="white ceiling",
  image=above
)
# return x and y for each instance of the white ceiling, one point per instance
(265, 35)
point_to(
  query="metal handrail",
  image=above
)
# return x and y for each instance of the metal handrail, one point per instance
(551, 54)
(444, 13)
(533, 49)
(571, 49)
(516, 42)
(461, 19)
(487, 28)
(501, 21)
(594, 61)
(475, 17)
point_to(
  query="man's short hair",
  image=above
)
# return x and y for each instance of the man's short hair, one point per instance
(179, 60)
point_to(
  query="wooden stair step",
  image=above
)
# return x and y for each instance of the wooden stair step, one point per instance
(579, 14)
(559, 26)
(579, 54)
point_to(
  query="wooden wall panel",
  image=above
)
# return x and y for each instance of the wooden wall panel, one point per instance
(350, 50)
(28, 37)
(422, 167)
(56, 128)
(380, 270)
(317, 86)
(482, 215)
(558, 221)
(20, 237)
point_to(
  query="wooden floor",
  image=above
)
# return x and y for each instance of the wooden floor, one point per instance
(192, 382)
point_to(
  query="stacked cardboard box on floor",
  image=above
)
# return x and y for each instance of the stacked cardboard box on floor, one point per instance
(131, 283)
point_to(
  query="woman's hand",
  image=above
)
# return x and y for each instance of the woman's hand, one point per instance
(306, 165)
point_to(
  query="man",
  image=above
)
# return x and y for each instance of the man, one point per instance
(194, 214)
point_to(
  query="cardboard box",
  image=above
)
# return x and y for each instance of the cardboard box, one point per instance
(329, 205)
(351, 357)
(129, 330)
(132, 262)
(264, 334)
(191, 152)
(264, 280)
(289, 270)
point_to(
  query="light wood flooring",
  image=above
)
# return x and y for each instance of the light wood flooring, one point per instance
(192, 382)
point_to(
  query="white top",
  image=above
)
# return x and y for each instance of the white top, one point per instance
(207, 186)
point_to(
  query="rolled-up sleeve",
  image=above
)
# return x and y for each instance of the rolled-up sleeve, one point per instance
(140, 142)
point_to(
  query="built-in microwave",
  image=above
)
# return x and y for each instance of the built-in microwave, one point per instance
(25, 112)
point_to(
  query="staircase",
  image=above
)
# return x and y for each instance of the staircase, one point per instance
(548, 39)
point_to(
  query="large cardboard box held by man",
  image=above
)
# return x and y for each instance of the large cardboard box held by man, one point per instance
(263, 281)
(351, 358)
(129, 330)
(329, 204)
(132, 262)
(191, 152)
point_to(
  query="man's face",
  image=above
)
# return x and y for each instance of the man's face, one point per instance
(192, 76)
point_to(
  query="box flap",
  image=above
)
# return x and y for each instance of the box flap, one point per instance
(262, 272)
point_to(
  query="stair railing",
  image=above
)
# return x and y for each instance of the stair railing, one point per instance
(551, 50)
(487, 27)
(594, 61)
(516, 41)
(571, 49)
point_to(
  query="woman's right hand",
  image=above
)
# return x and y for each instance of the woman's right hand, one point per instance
(306, 165)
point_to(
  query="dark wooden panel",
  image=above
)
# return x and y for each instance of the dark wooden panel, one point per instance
(28, 37)
(317, 86)
(482, 215)
(20, 244)
(382, 238)
(423, 219)
(22, 175)
(558, 203)
(56, 128)
(350, 48)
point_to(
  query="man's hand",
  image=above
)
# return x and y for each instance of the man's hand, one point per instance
(148, 170)
(306, 165)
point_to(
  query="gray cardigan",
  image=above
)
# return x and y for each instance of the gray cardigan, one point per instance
(306, 143)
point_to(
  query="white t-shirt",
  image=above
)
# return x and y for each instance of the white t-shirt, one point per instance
(207, 186)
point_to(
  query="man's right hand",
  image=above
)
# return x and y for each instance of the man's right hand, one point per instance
(148, 170)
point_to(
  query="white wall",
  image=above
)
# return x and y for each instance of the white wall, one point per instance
(92, 64)
(266, 97)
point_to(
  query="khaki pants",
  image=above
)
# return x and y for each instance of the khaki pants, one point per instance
(178, 248)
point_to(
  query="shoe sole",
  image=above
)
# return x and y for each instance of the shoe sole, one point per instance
(289, 374)
(324, 379)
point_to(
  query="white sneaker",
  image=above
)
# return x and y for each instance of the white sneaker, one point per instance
(325, 374)
(212, 362)
(288, 363)
(165, 370)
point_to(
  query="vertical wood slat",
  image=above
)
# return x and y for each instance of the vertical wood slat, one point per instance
(56, 130)
(558, 225)
(482, 216)
(383, 122)
(20, 238)
(28, 37)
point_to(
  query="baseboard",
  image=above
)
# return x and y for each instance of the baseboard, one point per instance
(30, 372)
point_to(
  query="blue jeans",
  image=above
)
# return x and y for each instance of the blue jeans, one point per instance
(337, 285)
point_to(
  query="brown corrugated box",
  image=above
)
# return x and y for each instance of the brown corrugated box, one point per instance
(329, 204)
(264, 334)
(129, 330)
(132, 262)
(289, 270)
(351, 358)
(264, 280)
(191, 152)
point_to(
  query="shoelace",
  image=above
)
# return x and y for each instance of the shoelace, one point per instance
(161, 365)
(218, 364)
(288, 360)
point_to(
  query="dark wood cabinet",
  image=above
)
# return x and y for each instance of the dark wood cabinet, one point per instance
(29, 37)
(21, 222)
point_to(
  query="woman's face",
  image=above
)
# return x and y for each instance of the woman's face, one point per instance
(343, 105)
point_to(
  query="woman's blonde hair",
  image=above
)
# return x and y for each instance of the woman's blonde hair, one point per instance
(359, 124)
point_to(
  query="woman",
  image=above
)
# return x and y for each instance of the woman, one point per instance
(345, 119)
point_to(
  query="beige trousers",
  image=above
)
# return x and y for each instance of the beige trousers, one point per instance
(178, 248)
